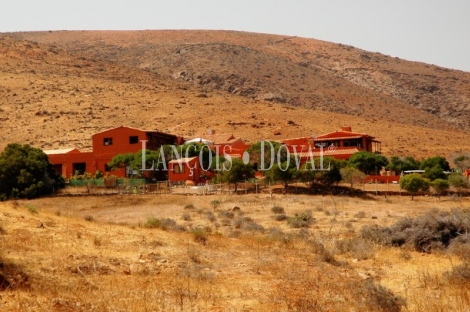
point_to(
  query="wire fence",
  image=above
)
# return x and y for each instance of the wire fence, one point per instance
(141, 186)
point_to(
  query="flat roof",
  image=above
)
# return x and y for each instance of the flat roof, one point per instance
(59, 151)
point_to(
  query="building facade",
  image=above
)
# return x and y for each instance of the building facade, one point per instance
(106, 145)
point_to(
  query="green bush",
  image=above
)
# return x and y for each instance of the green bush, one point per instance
(153, 223)
(25, 172)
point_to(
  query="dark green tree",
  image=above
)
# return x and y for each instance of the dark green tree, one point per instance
(414, 183)
(121, 161)
(236, 171)
(432, 162)
(283, 172)
(25, 172)
(439, 186)
(434, 168)
(434, 173)
(400, 164)
(327, 174)
(367, 162)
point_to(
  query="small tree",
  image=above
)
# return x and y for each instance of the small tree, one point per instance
(440, 186)
(459, 182)
(237, 172)
(327, 173)
(414, 183)
(352, 175)
(283, 172)
(121, 161)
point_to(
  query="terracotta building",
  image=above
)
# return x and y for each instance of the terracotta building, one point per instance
(184, 169)
(340, 144)
(106, 145)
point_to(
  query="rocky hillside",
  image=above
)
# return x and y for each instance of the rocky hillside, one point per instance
(58, 88)
(300, 72)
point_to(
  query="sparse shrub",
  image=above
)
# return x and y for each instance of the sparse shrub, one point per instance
(152, 223)
(171, 225)
(58, 213)
(247, 224)
(459, 274)
(186, 216)
(277, 209)
(405, 255)
(378, 297)
(238, 223)
(360, 215)
(357, 247)
(327, 212)
(97, 241)
(2, 230)
(226, 222)
(323, 253)
(200, 236)
(194, 255)
(189, 206)
(31, 209)
(280, 217)
(210, 216)
(79, 235)
(276, 234)
(433, 231)
(252, 226)
(215, 203)
(226, 214)
(460, 246)
(300, 220)
(88, 218)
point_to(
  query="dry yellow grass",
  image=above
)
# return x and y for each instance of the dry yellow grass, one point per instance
(114, 262)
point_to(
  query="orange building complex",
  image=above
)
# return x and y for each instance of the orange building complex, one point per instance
(122, 140)
(106, 145)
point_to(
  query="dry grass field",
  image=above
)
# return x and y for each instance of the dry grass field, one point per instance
(221, 253)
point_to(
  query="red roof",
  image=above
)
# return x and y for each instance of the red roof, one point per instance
(338, 135)
(339, 151)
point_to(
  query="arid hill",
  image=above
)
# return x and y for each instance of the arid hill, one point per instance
(58, 88)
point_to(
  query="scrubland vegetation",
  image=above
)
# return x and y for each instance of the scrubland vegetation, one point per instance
(186, 253)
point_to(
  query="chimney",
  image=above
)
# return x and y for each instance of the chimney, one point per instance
(346, 128)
